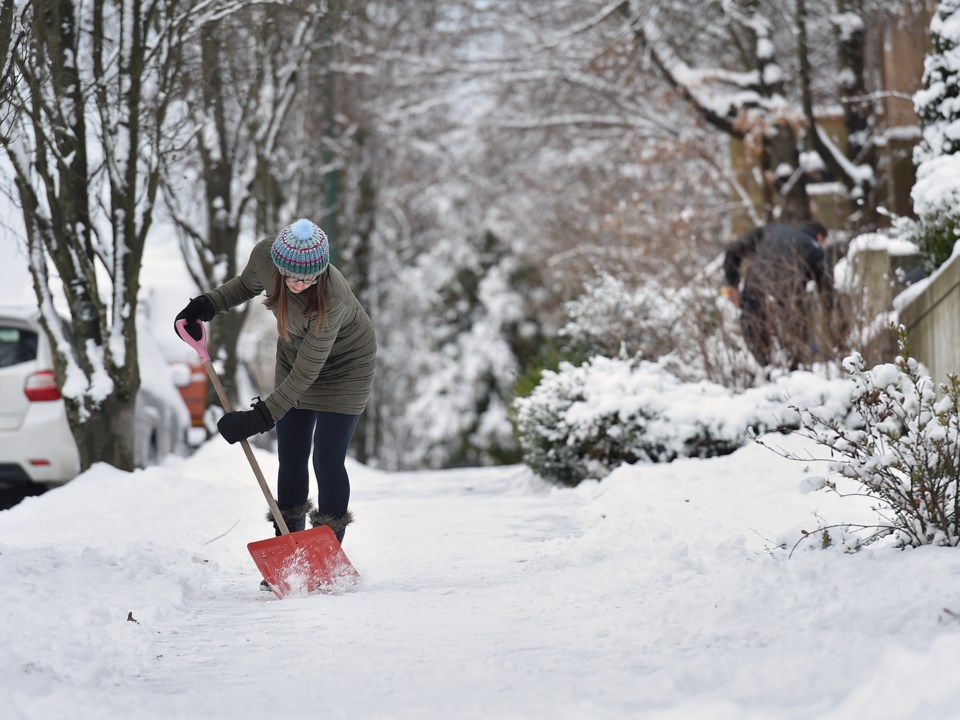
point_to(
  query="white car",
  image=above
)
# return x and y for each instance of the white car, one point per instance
(36, 445)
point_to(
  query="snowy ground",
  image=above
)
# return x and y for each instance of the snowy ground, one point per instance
(658, 593)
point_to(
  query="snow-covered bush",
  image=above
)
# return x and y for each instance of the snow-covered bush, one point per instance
(936, 193)
(689, 329)
(936, 200)
(609, 318)
(583, 422)
(903, 451)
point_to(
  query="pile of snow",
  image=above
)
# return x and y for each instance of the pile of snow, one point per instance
(937, 189)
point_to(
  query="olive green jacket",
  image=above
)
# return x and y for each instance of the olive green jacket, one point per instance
(332, 371)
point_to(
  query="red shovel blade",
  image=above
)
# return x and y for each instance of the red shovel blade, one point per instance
(303, 562)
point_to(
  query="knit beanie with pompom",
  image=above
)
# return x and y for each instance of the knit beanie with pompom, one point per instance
(301, 250)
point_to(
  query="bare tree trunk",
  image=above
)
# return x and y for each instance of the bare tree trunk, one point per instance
(858, 115)
(90, 220)
(360, 271)
(786, 197)
(66, 236)
(7, 40)
(223, 231)
(248, 65)
(859, 187)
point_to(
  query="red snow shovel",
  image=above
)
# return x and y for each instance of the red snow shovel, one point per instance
(293, 562)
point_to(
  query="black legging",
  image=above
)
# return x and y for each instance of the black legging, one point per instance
(330, 434)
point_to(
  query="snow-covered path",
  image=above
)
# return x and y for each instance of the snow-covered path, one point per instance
(416, 623)
(659, 593)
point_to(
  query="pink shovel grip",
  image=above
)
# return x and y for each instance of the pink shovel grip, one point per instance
(199, 345)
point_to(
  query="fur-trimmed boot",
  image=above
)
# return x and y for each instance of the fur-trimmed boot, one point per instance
(295, 517)
(296, 520)
(337, 524)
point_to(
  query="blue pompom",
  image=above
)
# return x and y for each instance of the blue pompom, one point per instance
(302, 229)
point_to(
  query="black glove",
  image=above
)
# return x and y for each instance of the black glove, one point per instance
(237, 426)
(200, 308)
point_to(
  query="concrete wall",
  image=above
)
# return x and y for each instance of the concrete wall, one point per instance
(932, 320)
(867, 311)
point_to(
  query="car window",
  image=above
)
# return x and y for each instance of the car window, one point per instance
(16, 346)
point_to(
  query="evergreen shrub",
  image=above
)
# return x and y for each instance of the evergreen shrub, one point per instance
(935, 238)
(937, 156)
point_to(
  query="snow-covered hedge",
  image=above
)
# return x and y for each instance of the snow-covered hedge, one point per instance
(583, 422)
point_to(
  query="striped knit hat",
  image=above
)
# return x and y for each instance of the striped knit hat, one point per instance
(301, 250)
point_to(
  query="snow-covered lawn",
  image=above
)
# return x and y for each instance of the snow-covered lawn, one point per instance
(658, 593)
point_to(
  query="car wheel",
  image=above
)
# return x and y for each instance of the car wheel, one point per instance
(153, 450)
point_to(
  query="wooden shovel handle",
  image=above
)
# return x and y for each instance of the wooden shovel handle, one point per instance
(225, 401)
(201, 347)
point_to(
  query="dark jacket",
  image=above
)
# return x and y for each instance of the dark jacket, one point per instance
(780, 260)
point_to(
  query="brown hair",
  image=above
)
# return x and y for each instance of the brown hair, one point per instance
(316, 303)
